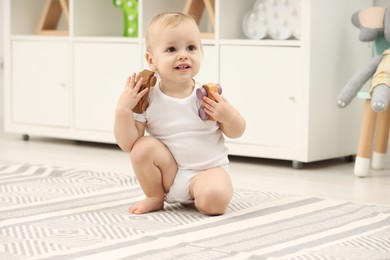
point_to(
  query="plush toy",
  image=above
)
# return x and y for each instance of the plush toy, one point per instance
(374, 24)
(206, 90)
(149, 80)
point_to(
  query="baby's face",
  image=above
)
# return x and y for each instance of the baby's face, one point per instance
(176, 52)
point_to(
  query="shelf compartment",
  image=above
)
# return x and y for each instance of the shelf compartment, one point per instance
(97, 18)
(31, 11)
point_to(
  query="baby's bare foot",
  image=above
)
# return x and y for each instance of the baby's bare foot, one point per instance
(149, 204)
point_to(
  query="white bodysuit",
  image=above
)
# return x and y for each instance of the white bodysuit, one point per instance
(195, 144)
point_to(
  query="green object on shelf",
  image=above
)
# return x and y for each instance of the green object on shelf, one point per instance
(130, 15)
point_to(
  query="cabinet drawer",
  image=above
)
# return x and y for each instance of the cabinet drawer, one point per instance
(264, 91)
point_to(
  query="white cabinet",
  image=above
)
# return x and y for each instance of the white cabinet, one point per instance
(67, 86)
(286, 89)
(40, 83)
(262, 94)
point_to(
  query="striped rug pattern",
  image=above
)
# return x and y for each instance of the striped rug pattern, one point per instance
(61, 213)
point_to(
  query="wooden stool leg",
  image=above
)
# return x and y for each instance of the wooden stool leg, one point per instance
(363, 156)
(381, 140)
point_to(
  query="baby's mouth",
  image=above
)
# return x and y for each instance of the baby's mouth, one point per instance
(182, 67)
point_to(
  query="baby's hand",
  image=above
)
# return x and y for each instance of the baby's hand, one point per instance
(130, 95)
(220, 109)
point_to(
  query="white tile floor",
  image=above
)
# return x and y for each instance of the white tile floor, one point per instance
(327, 179)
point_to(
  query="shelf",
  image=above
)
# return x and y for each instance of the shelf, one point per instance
(34, 37)
(101, 39)
(277, 18)
(246, 42)
(284, 88)
(26, 15)
(96, 18)
(101, 19)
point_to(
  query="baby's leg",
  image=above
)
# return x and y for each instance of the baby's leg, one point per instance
(212, 191)
(155, 169)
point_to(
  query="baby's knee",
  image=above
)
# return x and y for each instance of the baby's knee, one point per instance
(214, 202)
(142, 149)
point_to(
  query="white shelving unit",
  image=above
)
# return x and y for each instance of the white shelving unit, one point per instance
(67, 86)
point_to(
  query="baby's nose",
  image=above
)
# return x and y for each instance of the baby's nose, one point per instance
(182, 55)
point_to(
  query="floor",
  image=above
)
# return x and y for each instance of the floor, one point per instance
(332, 179)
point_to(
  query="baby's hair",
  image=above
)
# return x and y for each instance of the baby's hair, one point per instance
(167, 19)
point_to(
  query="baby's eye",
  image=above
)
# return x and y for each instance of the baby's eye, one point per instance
(191, 48)
(171, 49)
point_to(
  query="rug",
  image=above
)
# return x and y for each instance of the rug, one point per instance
(61, 213)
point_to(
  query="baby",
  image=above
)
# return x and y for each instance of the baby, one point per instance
(183, 159)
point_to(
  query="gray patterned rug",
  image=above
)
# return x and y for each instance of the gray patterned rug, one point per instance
(57, 213)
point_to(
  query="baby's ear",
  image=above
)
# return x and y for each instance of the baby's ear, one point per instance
(370, 21)
(149, 59)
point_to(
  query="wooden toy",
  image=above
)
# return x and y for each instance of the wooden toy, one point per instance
(130, 16)
(206, 90)
(195, 8)
(51, 17)
(148, 82)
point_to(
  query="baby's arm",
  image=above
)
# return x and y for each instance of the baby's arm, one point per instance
(231, 122)
(126, 129)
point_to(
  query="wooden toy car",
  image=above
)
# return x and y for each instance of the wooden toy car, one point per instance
(206, 90)
(148, 82)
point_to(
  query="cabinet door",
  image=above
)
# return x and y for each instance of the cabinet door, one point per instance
(100, 73)
(40, 85)
(261, 82)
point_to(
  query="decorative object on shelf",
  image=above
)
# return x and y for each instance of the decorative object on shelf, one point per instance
(51, 17)
(130, 16)
(277, 19)
(374, 25)
(204, 91)
(195, 8)
(149, 80)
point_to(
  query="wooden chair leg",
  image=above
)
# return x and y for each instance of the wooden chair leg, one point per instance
(363, 156)
(381, 140)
